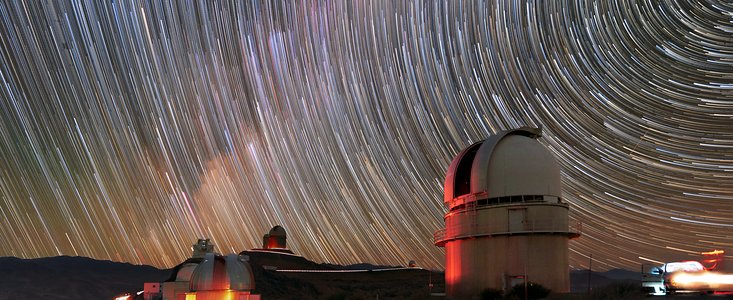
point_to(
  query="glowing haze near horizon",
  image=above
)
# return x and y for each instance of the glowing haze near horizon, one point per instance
(130, 129)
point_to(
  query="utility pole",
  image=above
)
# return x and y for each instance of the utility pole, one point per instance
(590, 268)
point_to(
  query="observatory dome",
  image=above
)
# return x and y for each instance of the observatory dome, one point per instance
(506, 220)
(276, 239)
(506, 166)
(277, 231)
(222, 273)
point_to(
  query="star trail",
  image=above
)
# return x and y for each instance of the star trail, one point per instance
(131, 128)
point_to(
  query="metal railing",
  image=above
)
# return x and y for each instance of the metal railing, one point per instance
(454, 232)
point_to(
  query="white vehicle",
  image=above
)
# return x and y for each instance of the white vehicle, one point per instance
(670, 278)
(684, 277)
(652, 282)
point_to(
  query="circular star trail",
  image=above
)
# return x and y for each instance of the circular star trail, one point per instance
(131, 128)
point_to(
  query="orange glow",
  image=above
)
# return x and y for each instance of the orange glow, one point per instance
(452, 263)
(125, 297)
(702, 281)
(218, 295)
(714, 252)
(713, 259)
(229, 295)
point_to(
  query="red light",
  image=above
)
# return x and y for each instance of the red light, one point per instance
(713, 259)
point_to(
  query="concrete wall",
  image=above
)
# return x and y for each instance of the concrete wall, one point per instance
(473, 265)
(535, 217)
(495, 245)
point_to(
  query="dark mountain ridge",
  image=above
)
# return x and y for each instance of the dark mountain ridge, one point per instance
(67, 277)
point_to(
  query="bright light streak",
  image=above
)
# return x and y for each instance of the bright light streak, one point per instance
(651, 260)
(710, 280)
(714, 252)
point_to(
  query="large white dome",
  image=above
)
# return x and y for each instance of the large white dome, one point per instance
(222, 273)
(510, 163)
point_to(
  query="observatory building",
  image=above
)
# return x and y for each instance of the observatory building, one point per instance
(204, 276)
(222, 277)
(506, 222)
(275, 239)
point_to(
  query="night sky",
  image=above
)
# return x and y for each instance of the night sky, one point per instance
(129, 129)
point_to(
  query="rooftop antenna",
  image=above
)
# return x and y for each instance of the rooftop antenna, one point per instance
(202, 247)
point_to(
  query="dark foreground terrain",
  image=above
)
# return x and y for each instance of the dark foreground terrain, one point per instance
(65, 277)
(84, 278)
(361, 281)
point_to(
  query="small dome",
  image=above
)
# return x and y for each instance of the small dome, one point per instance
(510, 163)
(218, 273)
(275, 239)
(277, 231)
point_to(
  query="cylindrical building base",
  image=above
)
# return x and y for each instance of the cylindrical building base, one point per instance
(500, 262)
